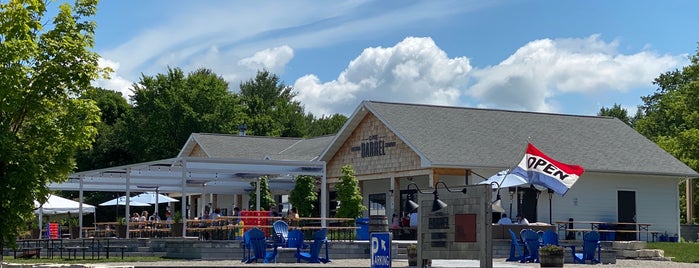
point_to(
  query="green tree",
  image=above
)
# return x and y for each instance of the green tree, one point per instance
(348, 195)
(266, 200)
(618, 112)
(670, 118)
(330, 125)
(108, 149)
(169, 107)
(43, 122)
(304, 196)
(270, 107)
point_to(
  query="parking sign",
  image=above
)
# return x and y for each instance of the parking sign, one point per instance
(380, 250)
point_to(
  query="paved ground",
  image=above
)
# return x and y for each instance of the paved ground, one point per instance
(500, 263)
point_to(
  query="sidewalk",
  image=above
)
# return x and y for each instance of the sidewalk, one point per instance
(500, 263)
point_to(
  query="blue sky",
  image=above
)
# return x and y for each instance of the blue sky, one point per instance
(571, 57)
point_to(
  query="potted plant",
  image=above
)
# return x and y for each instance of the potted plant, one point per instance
(177, 224)
(551, 256)
(412, 255)
(121, 227)
(73, 227)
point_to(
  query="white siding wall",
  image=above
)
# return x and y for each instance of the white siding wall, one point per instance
(594, 198)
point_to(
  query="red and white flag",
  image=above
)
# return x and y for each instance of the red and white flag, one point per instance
(543, 170)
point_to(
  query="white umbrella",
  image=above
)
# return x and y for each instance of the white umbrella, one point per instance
(122, 201)
(505, 179)
(153, 198)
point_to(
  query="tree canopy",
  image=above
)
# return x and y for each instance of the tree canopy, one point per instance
(304, 196)
(670, 116)
(348, 195)
(43, 120)
(168, 108)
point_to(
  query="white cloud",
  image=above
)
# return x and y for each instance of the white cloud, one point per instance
(414, 70)
(273, 59)
(539, 73)
(116, 82)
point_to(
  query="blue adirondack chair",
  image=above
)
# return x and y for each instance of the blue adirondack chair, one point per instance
(550, 237)
(515, 248)
(281, 232)
(258, 244)
(591, 245)
(247, 247)
(313, 254)
(531, 241)
(295, 240)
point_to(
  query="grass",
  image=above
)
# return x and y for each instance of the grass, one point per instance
(87, 260)
(681, 252)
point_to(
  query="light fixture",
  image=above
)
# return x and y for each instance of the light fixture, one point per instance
(497, 204)
(437, 204)
(410, 205)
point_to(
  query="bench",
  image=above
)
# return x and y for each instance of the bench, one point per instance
(115, 248)
(75, 251)
(28, 252)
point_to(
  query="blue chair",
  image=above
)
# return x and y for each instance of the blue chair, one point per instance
(295, 240)
(258, 243)
(515, 248)
(549, 237)
(247, 249)
(313, 254)
(281, 232)
(531, 241)
(591, 245)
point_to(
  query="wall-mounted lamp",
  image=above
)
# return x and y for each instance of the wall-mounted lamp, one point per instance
(497, 204)
(437, 204)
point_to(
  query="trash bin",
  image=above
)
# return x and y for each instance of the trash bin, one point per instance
(363, 230)
(607, 232)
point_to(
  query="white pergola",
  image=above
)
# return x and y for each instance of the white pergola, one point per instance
(187, 175)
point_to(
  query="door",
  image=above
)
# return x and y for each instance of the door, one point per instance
(626, 211)
(528, 203)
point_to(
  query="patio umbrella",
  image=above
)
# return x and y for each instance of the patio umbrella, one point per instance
(121, 201)
(153, 198)
(505, 179)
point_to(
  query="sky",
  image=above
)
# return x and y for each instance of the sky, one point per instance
(568, 57)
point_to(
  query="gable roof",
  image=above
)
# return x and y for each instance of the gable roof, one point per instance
(458, 137)
(255, 147)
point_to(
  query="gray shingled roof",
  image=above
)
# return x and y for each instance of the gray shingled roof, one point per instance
(256, 147)
(469, 137)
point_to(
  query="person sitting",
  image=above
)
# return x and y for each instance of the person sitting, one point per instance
(413, 219)
(293, 217)
(135, 217)
(214, 216)
(504, 219)
(522, 220)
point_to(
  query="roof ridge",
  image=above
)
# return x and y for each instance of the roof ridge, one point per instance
(487, 109)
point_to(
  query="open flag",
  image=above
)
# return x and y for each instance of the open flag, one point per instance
(542, 170)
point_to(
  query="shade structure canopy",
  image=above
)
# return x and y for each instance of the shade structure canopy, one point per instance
(192, 175)
(121, 201)
(197, 175)
(59, 205)
(505, 179)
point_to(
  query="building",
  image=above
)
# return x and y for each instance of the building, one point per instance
(390, 145)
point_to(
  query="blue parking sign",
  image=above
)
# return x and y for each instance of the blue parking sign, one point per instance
(380, 250)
